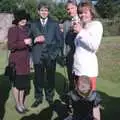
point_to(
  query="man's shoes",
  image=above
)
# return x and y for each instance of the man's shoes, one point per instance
(37, 102)
(49, 93)
(50, 100)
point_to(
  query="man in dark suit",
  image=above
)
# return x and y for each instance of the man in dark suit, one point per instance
(69, 36)
(46, 46)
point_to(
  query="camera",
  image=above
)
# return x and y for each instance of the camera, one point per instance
(75, 21)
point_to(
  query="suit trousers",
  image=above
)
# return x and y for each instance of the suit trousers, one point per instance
(69, 65)
(49, 67)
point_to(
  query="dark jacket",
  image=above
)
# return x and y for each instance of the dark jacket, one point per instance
(19, 52)
(53, 40)
(69, 37)
(83, 106)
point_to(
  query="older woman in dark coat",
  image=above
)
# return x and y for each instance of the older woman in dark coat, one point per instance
(18, 42)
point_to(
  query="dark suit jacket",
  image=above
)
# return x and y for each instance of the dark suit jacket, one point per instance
(53, 40)
(69, 37)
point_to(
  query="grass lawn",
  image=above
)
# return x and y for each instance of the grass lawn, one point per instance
(108, 85)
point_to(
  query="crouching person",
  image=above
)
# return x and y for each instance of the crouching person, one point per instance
(83, 101)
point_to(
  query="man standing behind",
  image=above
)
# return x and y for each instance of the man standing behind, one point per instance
(69, 35)
(46, 46)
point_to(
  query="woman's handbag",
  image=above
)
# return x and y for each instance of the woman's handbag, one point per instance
(10, 70)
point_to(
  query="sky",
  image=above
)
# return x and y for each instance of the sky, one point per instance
(94, 1)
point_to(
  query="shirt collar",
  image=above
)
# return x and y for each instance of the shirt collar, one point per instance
(41, 20)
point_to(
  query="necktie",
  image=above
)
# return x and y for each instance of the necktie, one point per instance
(43, 22)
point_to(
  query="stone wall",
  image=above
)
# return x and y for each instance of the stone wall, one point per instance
(5, 24)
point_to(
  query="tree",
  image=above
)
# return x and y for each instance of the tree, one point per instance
(106, 8)
(56, 10)
(59, 12)
(31, 7)
(8, 5)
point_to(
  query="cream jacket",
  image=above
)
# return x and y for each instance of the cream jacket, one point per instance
(87, 43)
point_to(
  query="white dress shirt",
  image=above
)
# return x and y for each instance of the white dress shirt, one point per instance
(87, 43)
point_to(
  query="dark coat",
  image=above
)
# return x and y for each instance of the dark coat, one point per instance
(19, 52)
(53, 40)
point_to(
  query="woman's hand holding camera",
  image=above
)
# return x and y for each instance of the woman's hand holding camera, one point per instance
(77, 26)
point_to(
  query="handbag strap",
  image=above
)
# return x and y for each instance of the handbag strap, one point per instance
(7, 54)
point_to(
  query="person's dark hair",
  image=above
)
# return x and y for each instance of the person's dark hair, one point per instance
(88, 4)
(43, 5)
(19, 15)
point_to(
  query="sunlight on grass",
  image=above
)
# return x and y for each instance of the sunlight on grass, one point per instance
(109, 59)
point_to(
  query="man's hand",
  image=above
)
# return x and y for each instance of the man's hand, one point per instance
(28, 41)
(96, 113)
(39, 39)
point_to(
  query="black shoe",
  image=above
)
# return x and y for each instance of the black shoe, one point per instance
(50, 100)
(36, 103)
(49, 93)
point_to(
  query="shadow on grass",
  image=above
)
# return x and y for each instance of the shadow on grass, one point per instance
(4, 94)
(60, 84)
(111, 106)
(111, 110)
(5, 88)
(45, 114)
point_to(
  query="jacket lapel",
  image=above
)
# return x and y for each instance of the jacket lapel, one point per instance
(48, 24)
(40, 27)
(39, 24)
